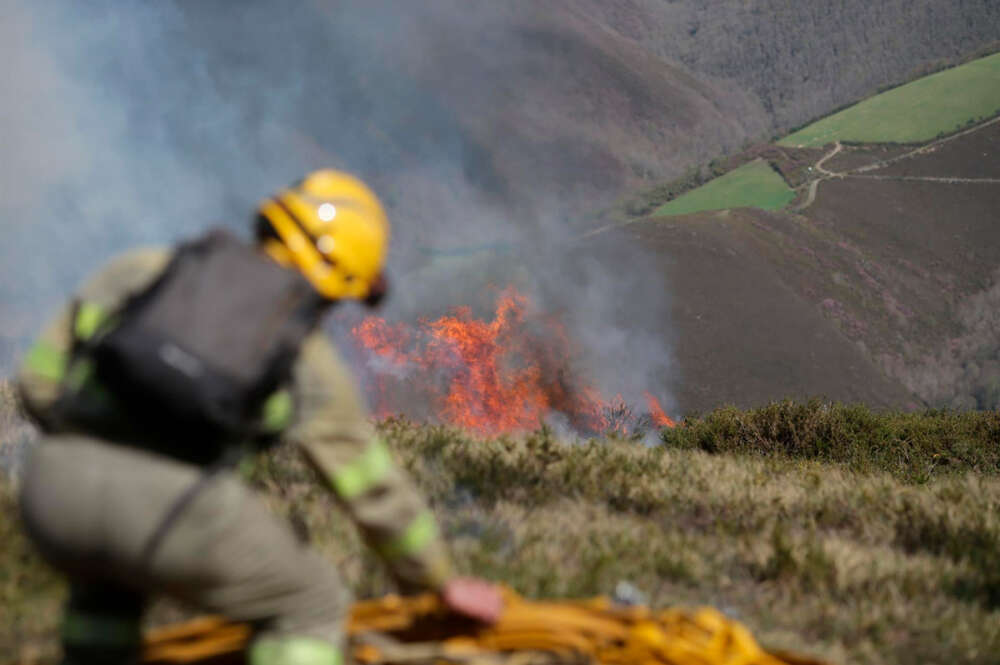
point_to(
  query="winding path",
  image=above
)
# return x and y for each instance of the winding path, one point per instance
(813, 184)
(837, 147)
(862, 171)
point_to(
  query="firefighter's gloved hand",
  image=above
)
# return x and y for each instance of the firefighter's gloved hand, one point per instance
(474, 598)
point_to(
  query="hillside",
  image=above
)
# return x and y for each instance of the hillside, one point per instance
(573, 103)
(803, 60)
(743, 331)
(898, 261)
(890, 246)
(926, 250)
(930, 107)
(480, 124)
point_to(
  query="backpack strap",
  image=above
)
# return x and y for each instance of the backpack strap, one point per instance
(229, 459)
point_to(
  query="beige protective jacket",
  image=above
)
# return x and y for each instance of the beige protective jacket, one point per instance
(327, 419)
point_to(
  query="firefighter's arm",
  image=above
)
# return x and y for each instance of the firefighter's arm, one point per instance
(44, 368)
(332, 426)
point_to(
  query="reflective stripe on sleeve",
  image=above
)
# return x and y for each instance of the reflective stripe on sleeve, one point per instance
(89, 317)
(357, 477)
(46, 361)
(100, 630)
(420, 533)
(277, 411)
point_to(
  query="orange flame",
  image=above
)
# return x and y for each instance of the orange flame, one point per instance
(505, 374)
(656, 413)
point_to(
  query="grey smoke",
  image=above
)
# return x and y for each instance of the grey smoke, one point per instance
(143, 123)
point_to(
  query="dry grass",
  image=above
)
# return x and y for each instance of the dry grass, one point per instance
(30, 593)
(856, 566)
(15, 432)
(852, 563)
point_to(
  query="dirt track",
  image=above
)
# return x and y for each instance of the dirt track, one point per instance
(918, 178)
(862, 171)
(814, 184)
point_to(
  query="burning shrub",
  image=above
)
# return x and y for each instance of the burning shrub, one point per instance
(490, 376)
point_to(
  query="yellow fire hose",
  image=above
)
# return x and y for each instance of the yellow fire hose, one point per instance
(414, 630)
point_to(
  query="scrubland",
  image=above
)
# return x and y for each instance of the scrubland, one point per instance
(829, 529)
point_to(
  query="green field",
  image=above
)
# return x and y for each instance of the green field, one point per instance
(915, 112)
(753, 185)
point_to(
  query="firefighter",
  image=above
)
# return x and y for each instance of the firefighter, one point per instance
(126, 510)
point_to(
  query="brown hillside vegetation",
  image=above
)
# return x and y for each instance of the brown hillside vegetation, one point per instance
(744, 334)
(563, 108)
(924, 251)
(802, 60)
(586, 100)
(563, 105)
(897, 271)
(975, 155)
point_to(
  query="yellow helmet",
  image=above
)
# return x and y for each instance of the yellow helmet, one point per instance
(332, 228)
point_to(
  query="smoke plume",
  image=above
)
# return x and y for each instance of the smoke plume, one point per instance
(148, 122)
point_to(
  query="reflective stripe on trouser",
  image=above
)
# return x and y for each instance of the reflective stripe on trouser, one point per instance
(92, 506)
(292, 650)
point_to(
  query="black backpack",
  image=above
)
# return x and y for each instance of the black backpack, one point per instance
(194, 356)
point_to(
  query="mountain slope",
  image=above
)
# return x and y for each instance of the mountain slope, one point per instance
(803, 60)
(743, 333)
(479, 122)
(891, 252)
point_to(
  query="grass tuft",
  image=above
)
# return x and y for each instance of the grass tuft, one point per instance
(913, 447)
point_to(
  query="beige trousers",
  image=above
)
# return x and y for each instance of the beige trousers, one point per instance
(92, 506)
